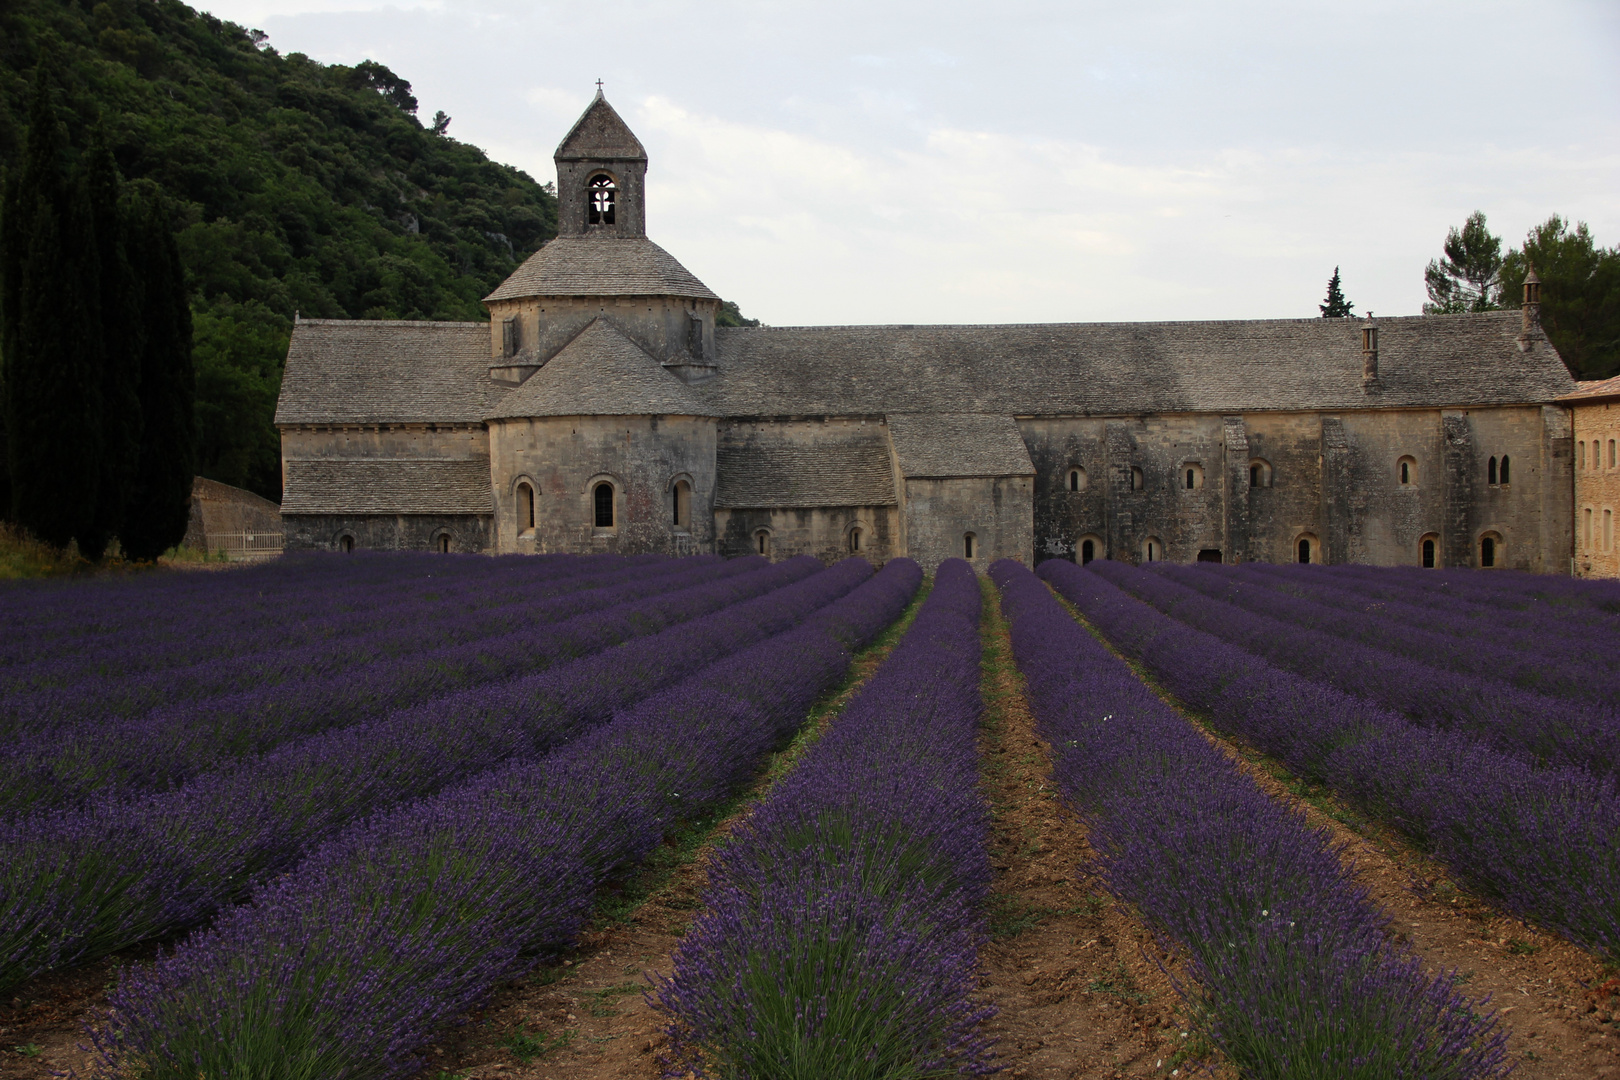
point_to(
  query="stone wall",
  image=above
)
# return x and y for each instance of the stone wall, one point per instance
(821, 531)
(996, 511)
(467, 533)
(564, 458)
(1265, 481)
(662, 325)
(1597, 487)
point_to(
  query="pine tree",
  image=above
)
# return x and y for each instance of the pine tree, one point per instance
(121, 331)
(1468, 278)
(160, 498)
(1335, 306)
(50, 338)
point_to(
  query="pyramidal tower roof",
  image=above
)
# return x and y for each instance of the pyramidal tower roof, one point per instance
(602, 373)
(600, 134)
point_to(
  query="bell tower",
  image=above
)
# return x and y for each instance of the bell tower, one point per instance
(601, 176)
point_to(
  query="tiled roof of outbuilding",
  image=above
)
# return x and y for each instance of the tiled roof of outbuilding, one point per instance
(959, 444)
(602, 373)
(1131, 368)
(601, 265)
(342, 371)
(1594, 389)
(387, 486)
(762, 472)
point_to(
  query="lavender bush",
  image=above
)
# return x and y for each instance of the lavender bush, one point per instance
(345, 967)
(1539, 728)
(841, 936)
(1544, 843)
(74, 885)
(1293, 974)
(61, 763)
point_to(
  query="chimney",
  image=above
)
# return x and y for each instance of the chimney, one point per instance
(1531, 308)
(1369, 354)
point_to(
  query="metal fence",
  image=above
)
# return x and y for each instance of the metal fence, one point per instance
(245, 545)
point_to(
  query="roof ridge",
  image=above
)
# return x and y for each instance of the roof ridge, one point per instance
(388, 322)
(1306, 320)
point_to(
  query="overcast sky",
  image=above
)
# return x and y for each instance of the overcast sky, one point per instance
(864, 162)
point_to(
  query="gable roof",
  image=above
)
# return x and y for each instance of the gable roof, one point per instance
(600, 134)
(959, 444)
(1065, 369)
(388, 486)
(757, 470)
(342, 371)
(601, 373)
(601, 265)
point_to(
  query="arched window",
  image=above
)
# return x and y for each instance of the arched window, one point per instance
(1192, 475)
(854, 541)
(1490, 472)
(1503, 475)
(441, 543)
(1210, 555)
(1488, 550)
(1077, 479)
(762, 541)
(346, 543)
(1304, 549)
(968, 545)
(1586, 532)
(1259, 473)
(1611, 453)
(1153, 550)
(525, 509)
(601, 194)
(1137, 480)
(1608, 530)
(1406, 470)
(1307, 548)
(1088, 551)
(1583, 453)
(1428, 551)
(681, 498)
(602, 497)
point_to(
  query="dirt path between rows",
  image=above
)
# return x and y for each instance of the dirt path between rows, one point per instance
(1075, 976)
(1560, 1005)
(586, 1018)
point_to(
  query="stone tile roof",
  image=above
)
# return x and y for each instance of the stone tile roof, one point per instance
(765, 471)
(343, 371)
(600, 134)
(602, 373)
(1596, 389)
(958, 444)
(387, 486)
(1124, 368)
(601, 265)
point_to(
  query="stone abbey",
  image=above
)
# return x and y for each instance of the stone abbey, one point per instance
(601, 409)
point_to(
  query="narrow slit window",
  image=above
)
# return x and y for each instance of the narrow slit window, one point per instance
(1611, 453)
(1077, 479)
(1586, 532)
(1583, 454)
(603, 497)
(525, 508)
(1490, 473)
(1608, 530)
(762, 542)
(681, 510)
(444, 543)
(967, 546)
(1189, 479)
(1406, 472)
(346, 543)
(854, 541)
(1503, 477)
(1136, 478)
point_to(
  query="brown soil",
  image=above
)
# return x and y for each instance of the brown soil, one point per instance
(1560, 1005)
(1077, 979)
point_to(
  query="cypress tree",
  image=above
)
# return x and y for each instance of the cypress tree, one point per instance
(50, 339)
(122, 332)
(160, 497)
(1335, 306)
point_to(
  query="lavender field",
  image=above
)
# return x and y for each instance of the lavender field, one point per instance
(355, 800)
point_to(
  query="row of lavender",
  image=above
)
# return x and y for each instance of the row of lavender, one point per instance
(1551, 666)
(345, 967)
(1533, 726)
(1544, 842)
(80, 883)
(1294, 975)
(841, 936)
(288, 601)
(131, 666)
(64, 760)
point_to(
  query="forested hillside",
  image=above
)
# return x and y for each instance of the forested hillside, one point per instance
(295, 186)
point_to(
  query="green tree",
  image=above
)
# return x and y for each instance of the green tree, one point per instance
(1467, 278)
(1335, 306)
(160, 496)
(50, 337)
(731, 315)
(1580, 294)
